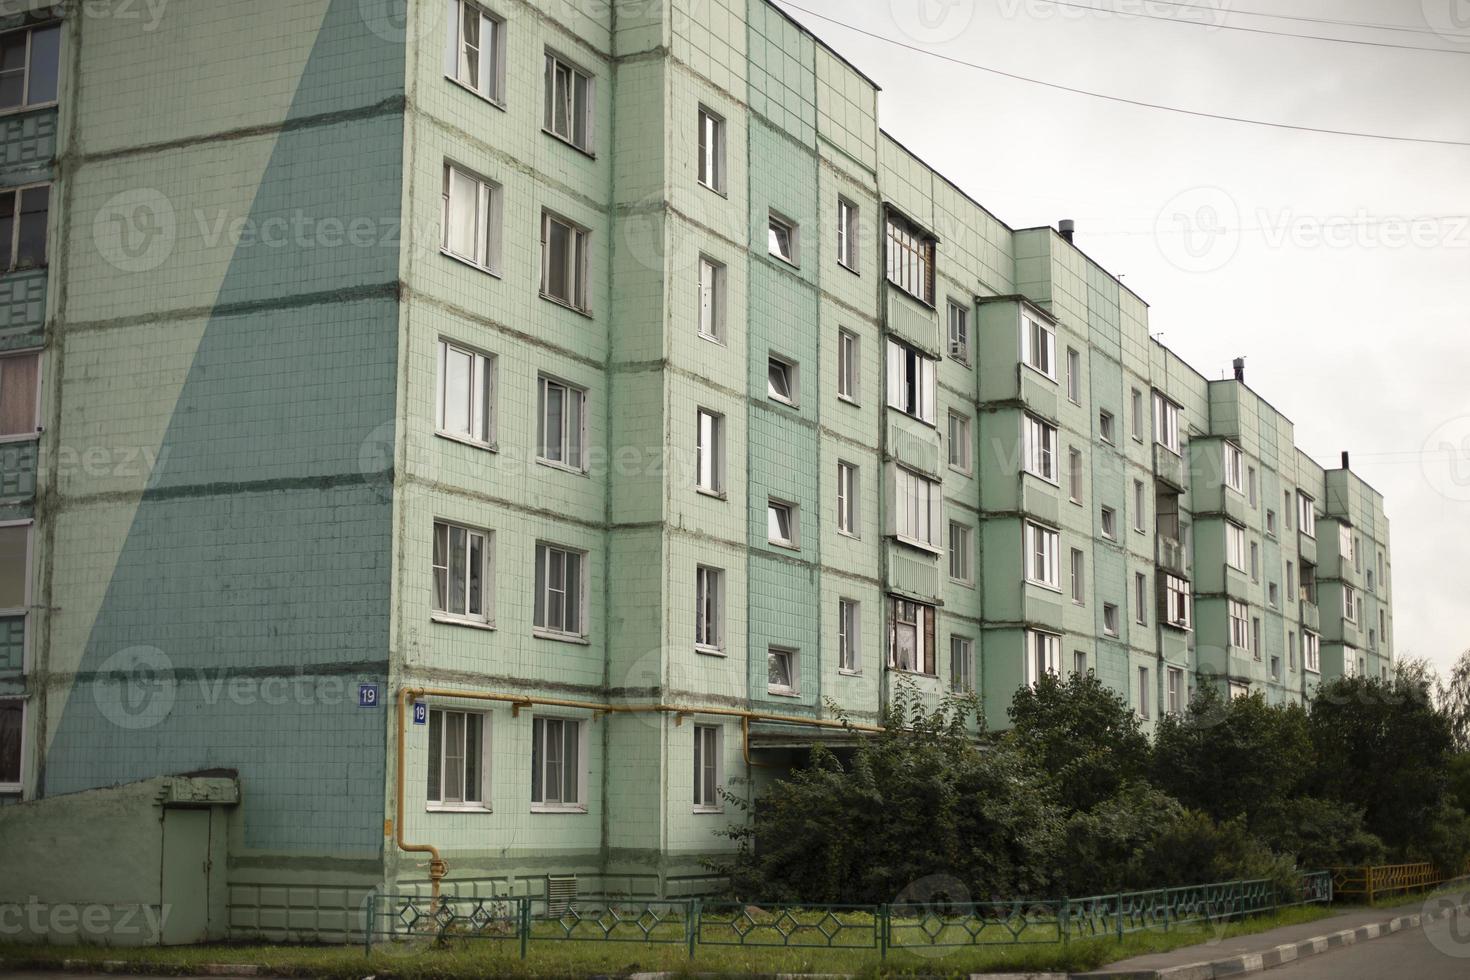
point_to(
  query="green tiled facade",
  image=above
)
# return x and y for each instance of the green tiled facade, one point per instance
(276, 394)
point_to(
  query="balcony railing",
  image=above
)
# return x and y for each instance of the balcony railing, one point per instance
(1170, 554)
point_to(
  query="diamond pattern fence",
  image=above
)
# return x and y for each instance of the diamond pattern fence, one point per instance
(936, 925)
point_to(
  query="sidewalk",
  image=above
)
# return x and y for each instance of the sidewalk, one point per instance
(1240, 955)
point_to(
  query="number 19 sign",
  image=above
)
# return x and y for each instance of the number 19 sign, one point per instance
(420, 713)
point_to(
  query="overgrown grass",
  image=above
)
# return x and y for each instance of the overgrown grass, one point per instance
(548, 958)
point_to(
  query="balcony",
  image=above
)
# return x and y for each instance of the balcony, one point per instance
(1169, 554)
(1311, 617)
(1169, 468)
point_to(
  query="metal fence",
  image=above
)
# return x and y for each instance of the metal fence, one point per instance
(1385, 879)
(695, 922)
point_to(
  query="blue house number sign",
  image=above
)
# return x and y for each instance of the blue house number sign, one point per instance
(420, 713)
(367, 695)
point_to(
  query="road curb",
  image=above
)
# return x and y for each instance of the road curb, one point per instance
(1249, 963)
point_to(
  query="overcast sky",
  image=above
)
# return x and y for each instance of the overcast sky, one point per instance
(1308, 254)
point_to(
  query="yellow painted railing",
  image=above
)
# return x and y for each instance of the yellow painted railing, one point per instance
(1385, 879)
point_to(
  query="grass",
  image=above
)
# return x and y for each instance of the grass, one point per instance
(556, 958)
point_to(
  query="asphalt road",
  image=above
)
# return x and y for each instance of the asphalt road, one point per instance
(1441, 951)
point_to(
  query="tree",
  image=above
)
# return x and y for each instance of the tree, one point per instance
(1082, 735)
(1455, 702)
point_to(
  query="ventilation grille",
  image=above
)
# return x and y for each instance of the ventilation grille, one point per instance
(561, 894)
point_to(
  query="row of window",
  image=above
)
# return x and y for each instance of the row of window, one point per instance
(464, 581)
(1044, 656)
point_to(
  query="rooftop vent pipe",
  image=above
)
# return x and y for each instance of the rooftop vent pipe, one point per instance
(1240, 369)
(1345, 460)
(1067, 228)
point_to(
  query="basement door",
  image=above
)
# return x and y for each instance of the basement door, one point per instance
(185, 876)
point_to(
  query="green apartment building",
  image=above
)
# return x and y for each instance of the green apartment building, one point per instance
(496, 429)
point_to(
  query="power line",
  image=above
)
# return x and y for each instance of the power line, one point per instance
(1254, 30)
(1118, 98)
(1313, 20)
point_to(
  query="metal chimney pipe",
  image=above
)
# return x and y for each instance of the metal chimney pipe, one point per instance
(1067, 228)
(1345, 460)
(1240, 369)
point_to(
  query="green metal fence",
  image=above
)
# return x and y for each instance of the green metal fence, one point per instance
(694, 922)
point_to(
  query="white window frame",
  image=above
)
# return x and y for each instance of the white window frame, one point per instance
(959, 443)
(961, 562)
(910, 256)
(1140, 598)
(1235, 553)
(1140, 507)
(849, 636)
(1166, 423)
(1077, 570)
(907, 614)
(911, 382)
(1042, 556)
(1349, 609)
(541, 734)
(577, 263)
(709, 452)
(712, 293)
(573, 424)
(1111, 624)
(916, 508)
(1252, 487)
(485, 255)
(710, 166)
(18, 784)
(446, 530)
(848, 487)
(961, 663)
(1074, 474)
(1109, 522)
(709, 768)
(481, 805)
(1233, 466)
(32, 430)
(1043, 655)
(491, 84)
(959, 332)
(792, 656)
(556, 67)
(774, 508)
(709, 609)
(1174, 690)
(849, 367)
(1143, 693)
(1039, 346)
(1136, 414)
(1311, 652)
(27, 70)
(480, 394)
(849, 232)
(1238, 614)
(1306, 514)
(1039, 444)
(547, 586)
(777, 225)
(1255, 552)
(1106, 426)
(1074, 376)
(1178, 602)
(790, 372)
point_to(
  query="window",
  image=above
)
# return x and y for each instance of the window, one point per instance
(1344, 542)
(1234, 460)
(1286, 508)
(1178, 609)
(1105, 425)
(564, 262)
(1042, 556)
(910, 382)
(710, 451)
(561, 432)
(1239, 624)
(709, 611)
(847, 498)
(1250, 486)
(1040, 447)
(959, 442)
(847, 365)
(1239, 690)
(471, 219)
(475, 56)
(959, 552)
(849, 636)
(916, 502)
(20, 395)
(1079, 662)
(781, 526)
(1256, 637)
(15, 573)
(1348, 607)
(1143, 685)
(1255, 562)
(781, 671)
(781, 239)
(1380, 567)
(458, 754)
(462, 572)
(1043, 655)
(1291, 593)
(1291, 650)
(1136, 405)
(781, 380)
(12, 744)
(1235, 546)
(711, 150)
(1074, 377)
(1074, 475)
(1373, 640)
(1166, 423)
(847, 234)
(708, 778)
(1309, 583)
(569, 103)
(1110, 523)
(24, 215)
(1140, 598)
(1038, 346)
(465, 406)
(1273, 595)
(1079, 580)
(1271, 522)
(1110, 618)
(959, 332)
(1311, 652)
(1174, 681)
(910, 259)
(29, 66)
(711, 299)
(1306, 514)
(1140, 507)
(961, 663)
(560, 590)
(556, 767)
(911, 642)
